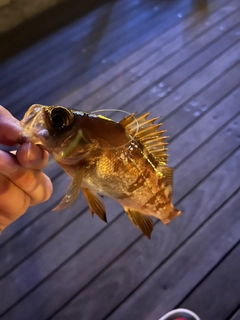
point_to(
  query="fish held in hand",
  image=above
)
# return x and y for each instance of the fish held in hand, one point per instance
(126, 160)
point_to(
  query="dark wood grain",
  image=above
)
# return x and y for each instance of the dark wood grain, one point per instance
(60, 265)
(213, 120)
(151, 60)
(200, 103)
(219, 284)
(120, 278)
(190, 170)
(197, 134)
(160, 74)
(205, 99)
(28, 268)
(75, 31)
(57, 80)
(169, 282)
(24, 94)
(143, 53)
(178, 127)
(34, 29)
(183, 93)
(107, 24)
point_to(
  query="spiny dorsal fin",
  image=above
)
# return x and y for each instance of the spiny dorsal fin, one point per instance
(145, 131)
(125, 122)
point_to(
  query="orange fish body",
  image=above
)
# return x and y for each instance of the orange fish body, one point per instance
(124, 160)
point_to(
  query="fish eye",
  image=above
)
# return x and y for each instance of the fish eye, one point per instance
(61, 118)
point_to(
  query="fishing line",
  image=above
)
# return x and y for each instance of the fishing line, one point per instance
(121, 111)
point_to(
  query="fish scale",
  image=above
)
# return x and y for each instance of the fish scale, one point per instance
(126, 160)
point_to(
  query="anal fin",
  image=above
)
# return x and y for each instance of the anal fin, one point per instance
(71, 195)
(141, 221)
(95, 204)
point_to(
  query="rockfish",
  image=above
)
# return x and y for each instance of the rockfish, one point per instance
(126, 160)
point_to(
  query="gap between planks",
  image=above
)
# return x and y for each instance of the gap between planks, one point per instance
(128, 222)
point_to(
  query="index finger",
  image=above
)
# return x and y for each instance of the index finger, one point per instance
(10, 128)
(33, 182)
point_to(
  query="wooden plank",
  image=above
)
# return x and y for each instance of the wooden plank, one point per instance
(43, 81)
(112, 20)
(213, 121)
(19, 102)
(71, 33)
(181, 272)
(115, 14)
(203, 101)
(34, 29)
(225, 110)
(136, 36)
(205, 97)
(124, 9)
(175, 277)
(142, 54)
(166, 105)
(150, 48)
(222, 285)
(70, 272)
(153, 76)
(183, 43)
(121, 233)
(209, 72)
(52, 253)
(191, 85)
(209, 162)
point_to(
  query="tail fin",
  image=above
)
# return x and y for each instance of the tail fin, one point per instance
(167, 214)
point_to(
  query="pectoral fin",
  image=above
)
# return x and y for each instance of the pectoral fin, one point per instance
(95, 204)
(141, 221)
(71, 195)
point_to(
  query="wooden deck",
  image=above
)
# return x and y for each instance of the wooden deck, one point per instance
(179, 59)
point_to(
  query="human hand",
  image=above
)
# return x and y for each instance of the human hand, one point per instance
(22, 184)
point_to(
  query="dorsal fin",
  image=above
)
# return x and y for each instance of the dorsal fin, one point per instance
(125, 122)
(145, 131)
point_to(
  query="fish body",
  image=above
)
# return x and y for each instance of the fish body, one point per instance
(124, 160)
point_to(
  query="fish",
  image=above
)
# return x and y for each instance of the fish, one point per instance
(125, 161)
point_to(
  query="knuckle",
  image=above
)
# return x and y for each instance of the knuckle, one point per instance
(43, 190)
(29, 178)
(5, 184)
(24, 205)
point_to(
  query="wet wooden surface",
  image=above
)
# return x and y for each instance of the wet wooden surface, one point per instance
(179, 60)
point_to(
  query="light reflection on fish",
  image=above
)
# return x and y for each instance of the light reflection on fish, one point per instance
(126, 160)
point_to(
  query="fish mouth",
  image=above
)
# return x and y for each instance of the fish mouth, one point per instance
(33, 125)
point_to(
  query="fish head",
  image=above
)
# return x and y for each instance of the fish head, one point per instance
(57, 129)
